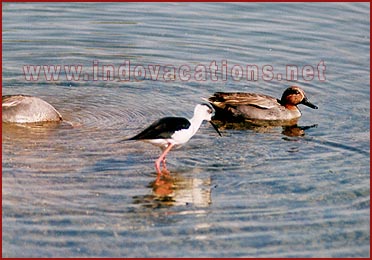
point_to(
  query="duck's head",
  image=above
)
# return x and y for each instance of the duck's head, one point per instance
(205, 112)
(293, 96)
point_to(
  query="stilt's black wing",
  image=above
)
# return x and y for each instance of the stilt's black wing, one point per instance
(163, 128)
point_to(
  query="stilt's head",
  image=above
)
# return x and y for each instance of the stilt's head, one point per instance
(205, 112)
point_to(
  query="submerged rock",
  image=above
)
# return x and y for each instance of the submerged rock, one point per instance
(28, 109)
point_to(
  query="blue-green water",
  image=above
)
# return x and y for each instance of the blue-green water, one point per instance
(74, 191)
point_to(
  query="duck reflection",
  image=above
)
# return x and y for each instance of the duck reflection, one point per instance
(175, 190)
(295, 130)
(289, 127)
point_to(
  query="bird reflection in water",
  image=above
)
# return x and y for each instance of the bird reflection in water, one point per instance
(289, 128)
(295, 130)
(175, 190)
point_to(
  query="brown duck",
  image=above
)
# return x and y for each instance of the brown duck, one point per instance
(252, 106)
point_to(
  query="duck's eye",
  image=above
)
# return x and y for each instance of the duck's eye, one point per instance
(210, 111)
(293, 92)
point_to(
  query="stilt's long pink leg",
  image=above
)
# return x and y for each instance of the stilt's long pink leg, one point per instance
(162, 157)
(165, 170)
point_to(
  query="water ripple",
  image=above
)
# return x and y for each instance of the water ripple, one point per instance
(75, 190)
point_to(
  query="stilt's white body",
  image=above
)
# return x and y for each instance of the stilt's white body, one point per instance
(182, 136)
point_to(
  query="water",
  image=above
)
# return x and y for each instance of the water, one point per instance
(74, 191)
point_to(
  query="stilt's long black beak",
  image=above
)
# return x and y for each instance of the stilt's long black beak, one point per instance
(306, 102)
(215, 128)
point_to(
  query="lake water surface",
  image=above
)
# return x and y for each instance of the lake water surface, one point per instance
(74, 190)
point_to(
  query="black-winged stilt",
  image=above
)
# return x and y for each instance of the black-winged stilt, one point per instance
(168, 132)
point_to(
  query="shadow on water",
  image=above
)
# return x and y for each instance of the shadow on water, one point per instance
(176, 189)
(339, 146)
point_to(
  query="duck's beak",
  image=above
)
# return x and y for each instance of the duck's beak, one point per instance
(306, 102)
(215, 128)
